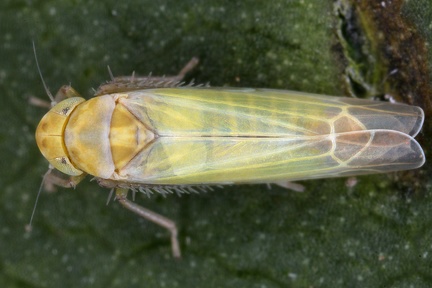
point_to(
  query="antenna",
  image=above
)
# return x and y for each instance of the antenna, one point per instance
(37, 197)
(53, 102)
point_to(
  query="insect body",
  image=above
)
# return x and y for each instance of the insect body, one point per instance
(178, 137)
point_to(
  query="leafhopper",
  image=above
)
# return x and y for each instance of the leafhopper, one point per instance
(147, 134)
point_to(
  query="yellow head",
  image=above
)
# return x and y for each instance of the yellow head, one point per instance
(49, 135)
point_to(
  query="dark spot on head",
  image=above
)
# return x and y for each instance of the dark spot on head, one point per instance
(63, 160)
(65, 110)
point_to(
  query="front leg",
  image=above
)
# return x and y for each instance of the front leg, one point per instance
(68, 182)
(66, 91)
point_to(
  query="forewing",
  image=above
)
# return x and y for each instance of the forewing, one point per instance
(234, 112)
(252, 135)
(226, 160)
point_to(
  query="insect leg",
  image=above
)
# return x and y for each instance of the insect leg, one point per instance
(121, 196)
(296, 187)
(186, 69)
(64, 92)
(129, 83)
(69, 182)
(35, 101)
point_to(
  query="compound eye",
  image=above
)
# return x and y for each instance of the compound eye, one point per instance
(64, 165)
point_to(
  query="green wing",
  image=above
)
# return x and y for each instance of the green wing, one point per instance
(252, 136)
